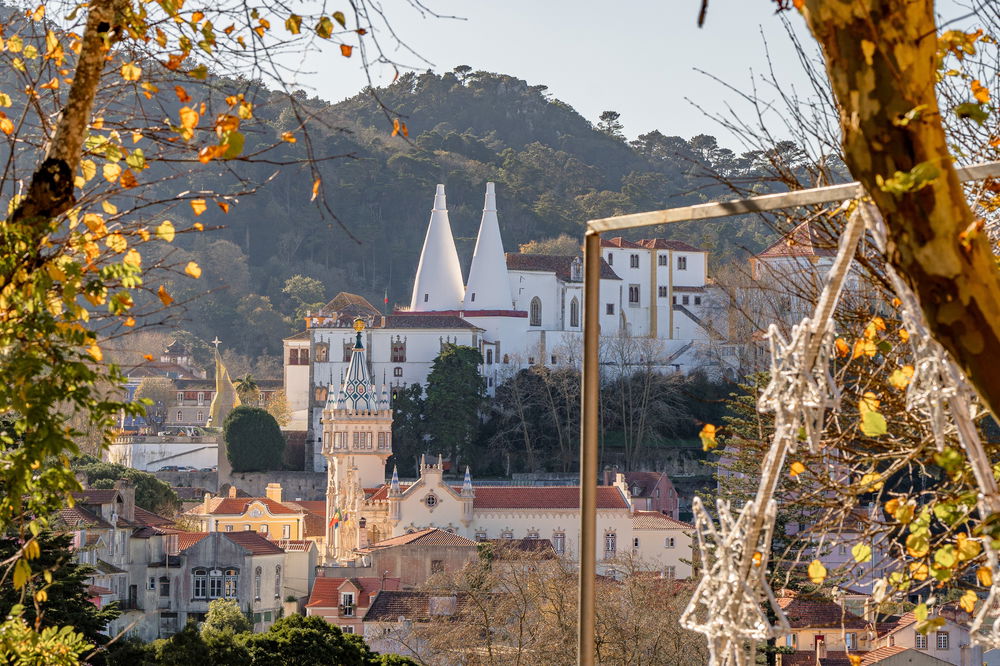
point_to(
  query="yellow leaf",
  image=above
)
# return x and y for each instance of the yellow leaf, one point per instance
(293, 24)
(133, 258)
(980, 92)
(22, 571)
(52, 84)
(97, 123)
(95, 223)
(904, 335)
(131, 71)
(5, 99)
(340, 18)
(843, 349)
(130, 322)
(968, 601)
(6, 125)
(193, 270)
(871, 482)
(861, 552)
(968, 549)
(165, 231)
(164, 296)
(198, 226)
(864, 348)
(707, 436)
(198, 206)
(89, 169)
(917, 545)
(900, 378)
(985, 576)
(868, 49)
(109, 207)
(288, 136)
(189, 120)
(144, 233)
(869, 402)
(796, 469)
(919, 570)
(111, 172)
(95, 352)
(116, 242)
(920, 612)
(817, 572)
(136, 136)
(757, 558)
(38, 14)
(395, 126)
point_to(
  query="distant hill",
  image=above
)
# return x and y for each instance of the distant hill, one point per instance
(553, 170)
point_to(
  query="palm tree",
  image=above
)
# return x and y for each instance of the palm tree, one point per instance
(247, 389)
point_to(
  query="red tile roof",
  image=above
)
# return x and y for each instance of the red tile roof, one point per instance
(808, 658)
(326, 591)
(618, 241)
(239, 505)
(877, 655)
(803, 612)
(654, 520)
(312, 506)
(187, 539)
(550, 263)
(664, 244)
(77, 516)
(96, 496)
(543, 497)
(390, 605)
(425, 320)
(143, 517)
(256, 543)
(431, 536)
(802, 241)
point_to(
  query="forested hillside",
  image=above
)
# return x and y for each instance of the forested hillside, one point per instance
(553, 169)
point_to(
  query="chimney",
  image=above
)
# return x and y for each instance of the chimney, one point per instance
(273, 492)
(126, 488)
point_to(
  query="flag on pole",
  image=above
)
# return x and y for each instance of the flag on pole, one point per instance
(335, 521)
(386, 299)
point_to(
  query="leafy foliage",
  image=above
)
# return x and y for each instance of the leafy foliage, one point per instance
(254, 442)
(455, 392)
(150, 493)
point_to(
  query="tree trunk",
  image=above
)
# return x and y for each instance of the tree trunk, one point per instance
(881, 56)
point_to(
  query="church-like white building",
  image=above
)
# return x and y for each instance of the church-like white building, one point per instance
(517, 309)
(356, 442)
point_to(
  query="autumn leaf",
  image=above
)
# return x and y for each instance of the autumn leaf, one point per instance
(900, 378)
(345, 50)
(315, 190)
(116, 243)
(980, 92)
(128, 179)
(133, 258)
(288, 137)
(985, 576)
(182, 95)
(796, 469)
(707, 436)
(853, 658)
(868, 49)
(130, 322)
(864, 348)
(131, 71)
(968, 601)
(395, 126)
(89, 169)
(149, 357)
(6, 125)
(165, 231)
(872, 482)
(222, 205)
(293, 24)
(189, 120)
(904, 335)
(198, 206)
(917, 545)
(816, 572)
(193, 269)
(111, 172)
(861, 552)
(339, 18)
(843, 349)
(165, 297)
(95, 352)
(325, 27)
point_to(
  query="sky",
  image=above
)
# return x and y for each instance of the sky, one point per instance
(638, 57)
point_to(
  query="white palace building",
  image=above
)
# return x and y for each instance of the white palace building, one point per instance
(517, 309)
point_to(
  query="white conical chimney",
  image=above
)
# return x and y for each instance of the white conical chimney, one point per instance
(489, 286)
(438, 285)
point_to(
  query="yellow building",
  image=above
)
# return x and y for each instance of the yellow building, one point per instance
(270, 516)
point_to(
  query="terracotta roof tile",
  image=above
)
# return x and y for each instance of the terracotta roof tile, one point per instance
(254, 542)
(428, 320)
(543, 497)
(238, 506)
(431, 536)
(654, 520)
(802, 241)
(804, 613)
(618, 241)
(326, 591)
(664, 244)
(77, 516)
(301, 335)
(187, 539)
(390, 605)
(346, 301)
(143, 517)
(551, 263)
(877, 655)
(96, 496)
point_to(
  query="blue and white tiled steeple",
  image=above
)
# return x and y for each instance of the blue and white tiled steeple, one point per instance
(357, 392)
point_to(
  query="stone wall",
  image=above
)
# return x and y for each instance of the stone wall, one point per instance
(294, 485)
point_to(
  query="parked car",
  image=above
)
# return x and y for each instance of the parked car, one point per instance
(182, 431)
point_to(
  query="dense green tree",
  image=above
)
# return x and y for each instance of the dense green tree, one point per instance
(455, 392)
(225, 616)
(150, 493)
(304, 294)
(67, 601)
(610, 124)
(254, 442)
(409, 429)
(307, 641)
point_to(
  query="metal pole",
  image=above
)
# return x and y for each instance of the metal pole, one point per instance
(588, 447)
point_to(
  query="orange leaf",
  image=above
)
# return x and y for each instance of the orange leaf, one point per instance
(130, 322)
(193, 269)
(980, 92)
(395, 126)
(198, 206)
(53, 84)
(149, 357)
(405, 131)
(223, 205)
(843, 349)
(6, 125)
(345, 50)
(316, 184)
(189, 118)
(198, 226)
(164, 296)
(182, 95)
(128, 179)
(288, 136)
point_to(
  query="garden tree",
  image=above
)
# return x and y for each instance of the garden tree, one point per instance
(518, 608)
(610, 125)
(455, 393)
(150, 493)
(408, 428)
(883, 59)
(49, 647)
(276, 405)
(562, 245)
(161, 392)
(224, 615)
(304, 294)
(248, 390)
(60, 598)
(254, 442)
(310, 641)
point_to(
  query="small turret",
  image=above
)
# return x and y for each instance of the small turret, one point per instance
(394, 490)
(467, 490)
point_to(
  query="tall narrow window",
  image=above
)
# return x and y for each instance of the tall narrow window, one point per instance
(293, 357)
(231, 581)
(398, 350)
(535, 311)
(559, 542)
(610, 544)
(611, 259)
(200, 583)
(256, 582)
(164, 586)
(633, 261)
(574, 312)
(303, 357)
(682, 263)
(662, 260)
(633, 294)
(277, 581)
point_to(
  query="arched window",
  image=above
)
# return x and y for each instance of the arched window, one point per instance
(256, 582)
(232, 579)
(200, 583)
(574, 312)
(535, 312)
(277, 581)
